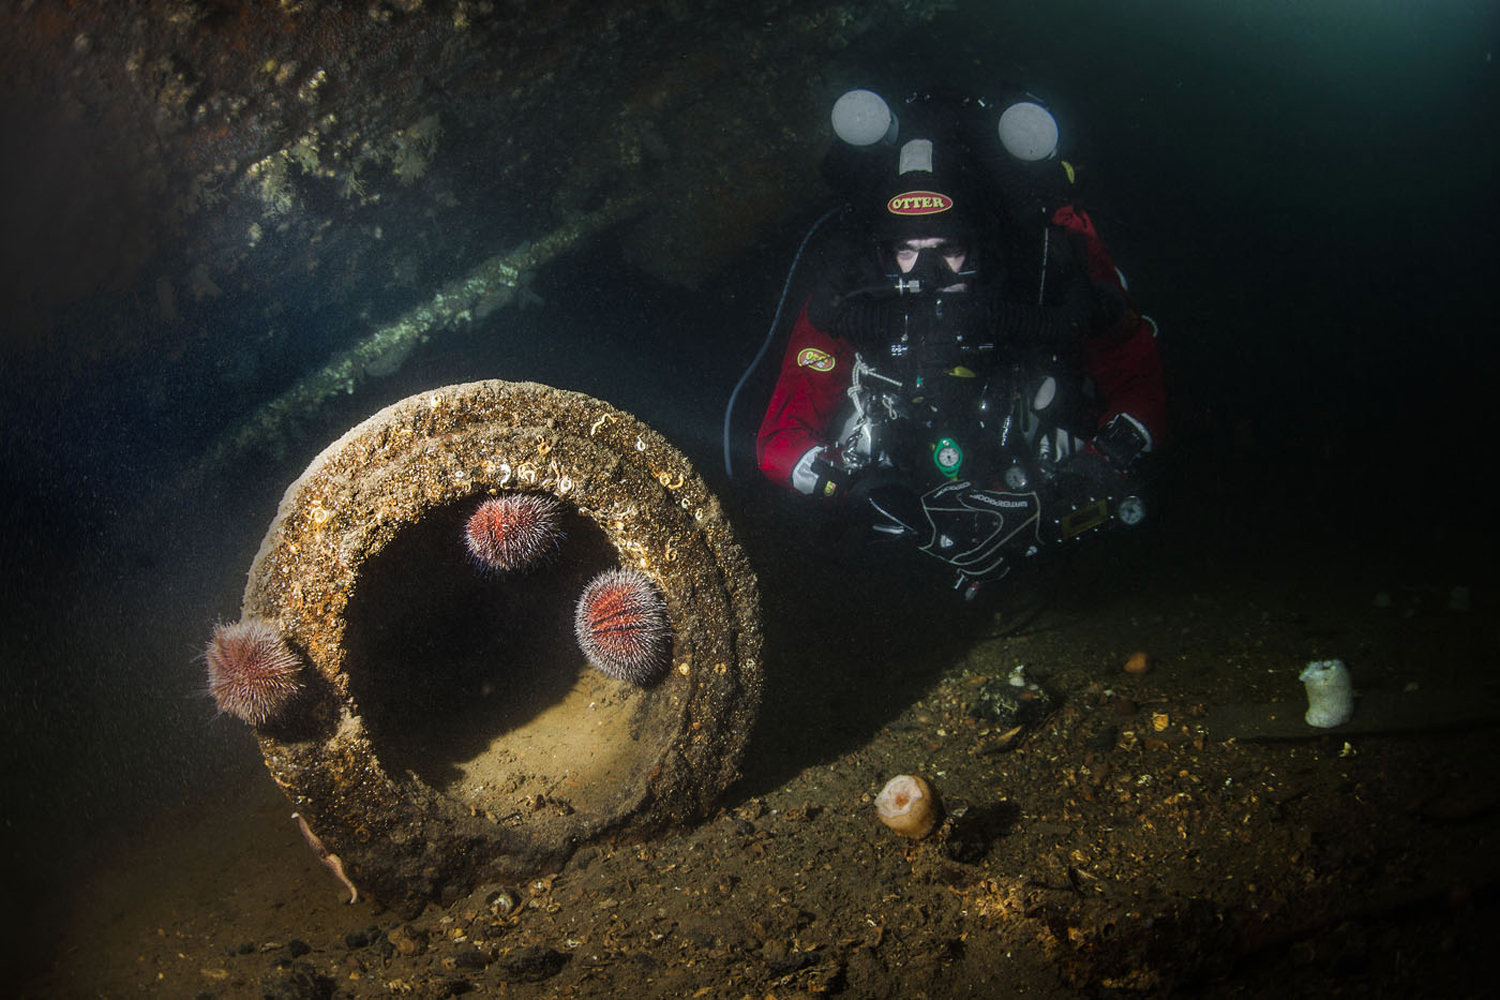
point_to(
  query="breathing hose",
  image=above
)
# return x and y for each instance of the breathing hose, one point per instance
(770, 336)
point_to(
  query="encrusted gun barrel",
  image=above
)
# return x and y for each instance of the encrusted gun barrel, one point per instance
(451, 731)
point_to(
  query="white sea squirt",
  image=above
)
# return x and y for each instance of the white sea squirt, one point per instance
(1330, 693)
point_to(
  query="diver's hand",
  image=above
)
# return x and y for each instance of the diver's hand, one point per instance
(833, 476)
(1123, 440)
(821, 472)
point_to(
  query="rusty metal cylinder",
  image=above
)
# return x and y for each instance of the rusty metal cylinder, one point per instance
(449, 730)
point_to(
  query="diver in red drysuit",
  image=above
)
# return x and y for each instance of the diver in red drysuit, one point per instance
(976, 372)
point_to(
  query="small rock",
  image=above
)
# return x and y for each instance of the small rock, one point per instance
(475, 959)
(806, 811)
(298, 981)
(752, 810)
(501, 902)
(1104, 740)
(780, 961)
(1005, 706)
(533, 964)
(408, 940)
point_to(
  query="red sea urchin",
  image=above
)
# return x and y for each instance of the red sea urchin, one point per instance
(252, 674)
(513, 532)
(621, 624)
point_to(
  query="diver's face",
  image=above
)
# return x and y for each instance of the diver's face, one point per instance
(954, 254)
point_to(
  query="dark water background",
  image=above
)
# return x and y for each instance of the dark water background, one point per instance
(1301, 194)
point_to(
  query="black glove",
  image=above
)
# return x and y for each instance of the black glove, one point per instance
(833, 476)
(1121, 442)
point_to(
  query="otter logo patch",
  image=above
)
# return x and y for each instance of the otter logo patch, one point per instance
(919, 203)
(818, 361)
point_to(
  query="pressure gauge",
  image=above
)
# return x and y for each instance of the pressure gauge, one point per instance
(948, 457)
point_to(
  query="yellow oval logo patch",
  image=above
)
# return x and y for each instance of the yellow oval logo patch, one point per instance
(919, 203)
(818, 361)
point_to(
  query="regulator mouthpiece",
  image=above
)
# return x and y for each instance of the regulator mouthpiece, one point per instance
(862, 118)
(1028, 132)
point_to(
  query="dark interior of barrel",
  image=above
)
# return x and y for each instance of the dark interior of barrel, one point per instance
(473, 680)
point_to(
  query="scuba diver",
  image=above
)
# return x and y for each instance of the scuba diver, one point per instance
(971, 377)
